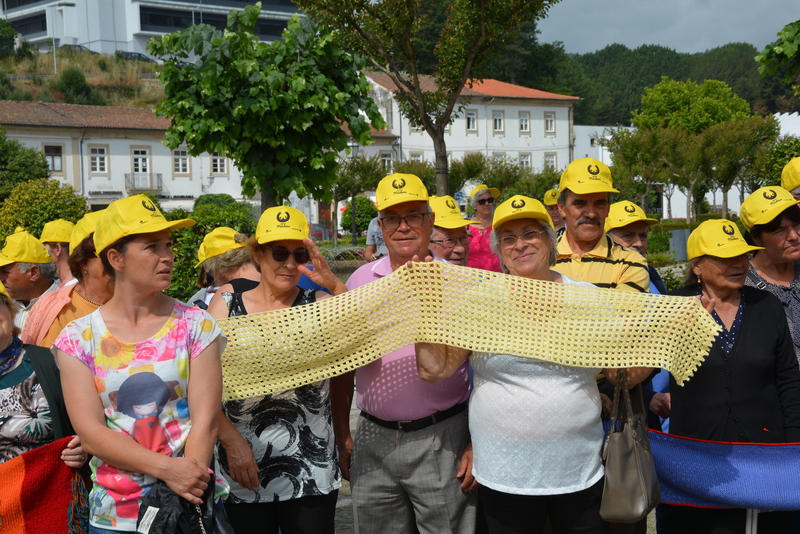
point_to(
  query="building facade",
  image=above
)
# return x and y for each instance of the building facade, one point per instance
(106, 26)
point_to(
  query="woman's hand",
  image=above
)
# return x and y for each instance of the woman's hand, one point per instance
(188, 478)
(242, 464)
(322, 274)
(708, 304)
(74, 456)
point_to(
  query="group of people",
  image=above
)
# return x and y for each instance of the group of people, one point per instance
(448, 440)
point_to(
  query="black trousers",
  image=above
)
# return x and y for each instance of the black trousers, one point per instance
(570, 513)
(306, 515)
(724, 521)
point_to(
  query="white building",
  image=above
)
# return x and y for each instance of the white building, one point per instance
(108, 25)
(528, 126)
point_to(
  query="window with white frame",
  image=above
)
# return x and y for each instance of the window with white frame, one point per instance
(525, 161)
(497, 121)
(52, 154)
(98, 159)
(180, 161)
(550, 161)
(472, 121)
(524, 122)
(499, 156)
(141, 160)
(217, 163)
(415, 156)
(549, 123)
(386, 162)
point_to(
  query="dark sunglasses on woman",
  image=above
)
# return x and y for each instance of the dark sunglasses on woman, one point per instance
(281, 254)
(483, 201)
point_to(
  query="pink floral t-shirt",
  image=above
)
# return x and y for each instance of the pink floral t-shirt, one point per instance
(143, 387)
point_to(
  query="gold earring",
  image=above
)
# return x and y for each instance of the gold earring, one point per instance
(699, 280)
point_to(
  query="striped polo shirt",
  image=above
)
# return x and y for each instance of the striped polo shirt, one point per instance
(607, 265)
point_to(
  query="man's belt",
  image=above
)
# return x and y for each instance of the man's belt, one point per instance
(417, 424)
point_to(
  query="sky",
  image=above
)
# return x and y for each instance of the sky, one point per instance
(682, 25)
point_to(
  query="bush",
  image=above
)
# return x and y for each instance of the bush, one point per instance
(19, 164)
(186, 241)
(36, 202)
(72, 84)
(221, 200)
(103, 65)
(703, 217)
(365, 212)
(658, 242)
(673, 277)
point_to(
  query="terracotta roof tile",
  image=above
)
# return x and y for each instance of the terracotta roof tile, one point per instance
(488, 88)
(73, 116)
(376, 134)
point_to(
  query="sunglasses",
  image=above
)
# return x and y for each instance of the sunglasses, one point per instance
(281, 254)
(483, 201)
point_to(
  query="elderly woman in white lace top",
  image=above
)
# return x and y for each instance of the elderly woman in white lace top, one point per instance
(535, 426)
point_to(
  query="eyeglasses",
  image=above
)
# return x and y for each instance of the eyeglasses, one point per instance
(451, 243)
(530, 237)
(414, 220)
(281, 254)
(483, 201)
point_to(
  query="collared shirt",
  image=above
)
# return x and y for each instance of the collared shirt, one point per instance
(390, 388)
(607, 265)
(23, 311)
(375, 238)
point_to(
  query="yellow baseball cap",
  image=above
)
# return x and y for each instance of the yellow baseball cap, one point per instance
(447, 213)
(585, 176)
(217, 241)
(520, 207)
(84, 228)
(58, 231)
(23, 247)
(398, 188)
(763, 205)
(717, 237)
(624, 213)
(281, 222)
(480, 187)
(790, 175)
(132, 216)
(551, 197)
(4, 292)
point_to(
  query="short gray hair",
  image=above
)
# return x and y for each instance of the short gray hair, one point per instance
(473, 200)
(494, 241)
(48, 270)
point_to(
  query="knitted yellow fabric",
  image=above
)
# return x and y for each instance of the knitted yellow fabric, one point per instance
(469, 308)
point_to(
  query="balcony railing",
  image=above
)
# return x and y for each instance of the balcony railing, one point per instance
(143, 181)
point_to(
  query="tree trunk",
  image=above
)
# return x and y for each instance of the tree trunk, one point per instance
(334, 221)
(669, 206)
(440, 150)
(725, 203)
(689, 203)
(269, 198)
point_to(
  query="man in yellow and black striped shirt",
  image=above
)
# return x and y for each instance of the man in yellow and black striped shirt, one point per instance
(585, 252)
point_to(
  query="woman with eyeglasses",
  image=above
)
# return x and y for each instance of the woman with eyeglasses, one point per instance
(535, 426)
(481, 256)
(278, 451)
(771, 218)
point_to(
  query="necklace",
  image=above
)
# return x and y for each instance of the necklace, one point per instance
(93, 303)
(10, 355)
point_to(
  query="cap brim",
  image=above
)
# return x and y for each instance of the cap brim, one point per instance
(735, 250)
(770, 215)
(545, 218)
(6, 261)
(453, 224)
(165, 225)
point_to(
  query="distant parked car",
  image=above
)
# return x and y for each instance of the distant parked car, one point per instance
(317, 232)
(135, 56)
(77, 48)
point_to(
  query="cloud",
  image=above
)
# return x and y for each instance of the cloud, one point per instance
(683, 25)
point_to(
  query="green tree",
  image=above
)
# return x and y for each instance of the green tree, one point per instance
(276, 109)
(783, 51)
(388, 33)
(32, 204)
(72, 84)
(772, 163)
(218, 199)
(186, 241)
(8, 38)
(637, 162)
(353, 176)
(365, 212)
(689, 106)
(18, 164)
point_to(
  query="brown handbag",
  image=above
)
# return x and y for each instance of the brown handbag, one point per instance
(631, 488)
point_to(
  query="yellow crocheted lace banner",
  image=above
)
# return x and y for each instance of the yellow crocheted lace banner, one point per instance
(470, 308)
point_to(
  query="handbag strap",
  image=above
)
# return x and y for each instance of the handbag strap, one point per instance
(621, 388)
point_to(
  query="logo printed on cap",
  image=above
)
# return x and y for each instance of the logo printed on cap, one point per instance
(149, 206)
(594, 172)
(630, 209)
(728, 229)
(450, 204)
(517, 204)
(283, 216)
(769, 195)
(399, 185)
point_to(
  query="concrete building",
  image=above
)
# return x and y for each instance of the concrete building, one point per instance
(106, 26)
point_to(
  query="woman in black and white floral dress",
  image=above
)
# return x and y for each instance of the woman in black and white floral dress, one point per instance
(278, 451)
